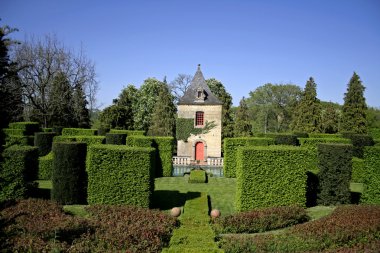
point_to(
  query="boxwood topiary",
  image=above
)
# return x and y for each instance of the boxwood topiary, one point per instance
(197, 176)
(43, 141)
(19, 170)
(335, 165)
(69, 178)
(116, 139)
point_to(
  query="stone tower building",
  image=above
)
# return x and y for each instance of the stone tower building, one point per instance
(204, 110)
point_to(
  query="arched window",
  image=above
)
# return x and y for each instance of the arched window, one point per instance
(199, 118)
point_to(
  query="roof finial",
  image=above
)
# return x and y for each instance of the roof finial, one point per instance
(199, 66)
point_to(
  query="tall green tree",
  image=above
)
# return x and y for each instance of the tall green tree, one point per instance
(80, 111)
(116, 116)
(218, 89)
(271, 106)
(330, 118)
(354, 107)
(11, 105)
(243, 126)
(163, 116)
(146, 101)
(307, 115)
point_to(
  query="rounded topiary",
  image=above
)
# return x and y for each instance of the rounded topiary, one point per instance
(116, 139)
(43, 141)
(215, 213)
(69, 176)
(175, 211)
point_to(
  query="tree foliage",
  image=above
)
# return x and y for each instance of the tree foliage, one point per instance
(271, 106)
(330, 117)
(218, 89)
(307, 115)
(163, 116)
(243, 126)
(180, 85)
(354, 107)
(41, 62)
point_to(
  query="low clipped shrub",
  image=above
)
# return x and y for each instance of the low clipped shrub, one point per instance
(43, 141)
(127, 132)
(286, 139)
(115, 139)
(120, 175)
(19, 170)
(36, 225)
(358, 170)
(231, 146)
(78, 132)
(45, 166)
(271, 176)
(125, 229)
(335, 164)
(371, 193)
(197, 176)
(28, 128)
(261, 220)
(69, 177)
(346, 228)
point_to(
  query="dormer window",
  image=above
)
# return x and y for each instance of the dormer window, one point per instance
(200, 95)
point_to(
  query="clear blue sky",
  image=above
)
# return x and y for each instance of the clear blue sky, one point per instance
(244, 44)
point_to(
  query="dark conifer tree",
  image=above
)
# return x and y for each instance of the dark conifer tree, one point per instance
(163, 117)
(354, 107)
(243, 126)
(307, 116)
(81, 113)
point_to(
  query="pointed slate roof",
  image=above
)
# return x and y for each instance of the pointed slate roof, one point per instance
(199, 84)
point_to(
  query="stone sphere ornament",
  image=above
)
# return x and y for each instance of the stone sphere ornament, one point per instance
(175, 212)
(215, 213)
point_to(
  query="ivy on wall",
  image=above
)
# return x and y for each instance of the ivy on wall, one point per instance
(185, 128)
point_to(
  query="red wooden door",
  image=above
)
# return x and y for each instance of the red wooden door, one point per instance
(199, 151)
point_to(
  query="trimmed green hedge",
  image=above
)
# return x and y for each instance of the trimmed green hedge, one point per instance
(121, 175)
(116, 139)
(360, 141)
(286, 139)
(271, 176)
(313, 142)
(231, 146)
(43, 141)
(165, 148)
(28, 128)
(127, 132)
(78, 132)
(371, 193)
(19, 140)
(139, 141)
(69, 178)
(19, 170)
(322, 136)
(89, 140)
(47, 130)
(358, 170)
(45, 166)
(335, 165)
(197, 176)
(9, 131)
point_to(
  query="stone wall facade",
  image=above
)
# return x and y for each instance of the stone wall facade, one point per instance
(212, 141)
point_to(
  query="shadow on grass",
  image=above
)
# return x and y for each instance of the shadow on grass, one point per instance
(166, 200)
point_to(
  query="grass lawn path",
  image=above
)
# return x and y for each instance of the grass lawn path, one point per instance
(195, 233)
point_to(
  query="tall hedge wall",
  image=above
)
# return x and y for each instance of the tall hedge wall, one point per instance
(28, 128)
(44, 141)
(371, 193)
(115, 139)
(45, 166)
(335, 167)
(78, 132)
(271, 176)
(19, 140)
(127, 132)
(231, 146)
(19, 170)
(139, 141)
(358, 170)
(69, 177)
(165, 149)
(121, 175)
(89, 140)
